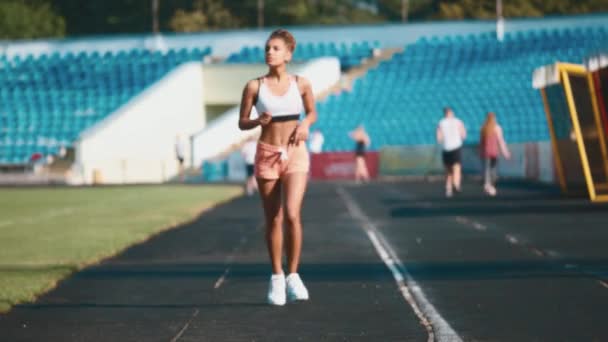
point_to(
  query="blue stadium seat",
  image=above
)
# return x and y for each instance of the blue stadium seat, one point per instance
(47, 101)
(401, 100)
(349, 55)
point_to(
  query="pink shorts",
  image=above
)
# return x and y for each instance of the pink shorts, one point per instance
(272, 162)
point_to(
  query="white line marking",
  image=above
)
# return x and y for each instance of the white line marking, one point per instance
(531, 248)
(220, 281)
(512, 239)
(461, 219)
(537, 251)
(466, 221)
(435, 325)
(479, 226)
(552, 253)
(181, 332)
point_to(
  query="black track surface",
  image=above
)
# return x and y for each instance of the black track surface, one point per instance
(528, 265)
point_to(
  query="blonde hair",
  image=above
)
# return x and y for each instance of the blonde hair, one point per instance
(286, 36)
(489, 125)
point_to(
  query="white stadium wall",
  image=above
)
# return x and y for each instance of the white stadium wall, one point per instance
(136, 144)
(225, 82)
(224, 132)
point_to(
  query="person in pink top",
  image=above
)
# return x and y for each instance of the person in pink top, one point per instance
(491, 143)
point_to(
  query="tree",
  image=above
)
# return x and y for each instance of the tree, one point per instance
(108, 17)
(485, 9)
(37, 19)
(29, 20)
(205, 15)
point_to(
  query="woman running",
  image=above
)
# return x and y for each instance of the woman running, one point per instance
(362, 141)
(282, 161)
(490, 141)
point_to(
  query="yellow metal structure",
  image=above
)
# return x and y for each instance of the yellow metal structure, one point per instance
(596, 188)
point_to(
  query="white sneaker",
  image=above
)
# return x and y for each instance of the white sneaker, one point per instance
(276, 290)
(490, 190)
(295, 288)
(449, 193)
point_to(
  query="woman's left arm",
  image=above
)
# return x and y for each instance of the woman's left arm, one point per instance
(502, 143)
(308, 98)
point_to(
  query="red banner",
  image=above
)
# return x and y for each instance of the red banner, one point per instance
(340, 165)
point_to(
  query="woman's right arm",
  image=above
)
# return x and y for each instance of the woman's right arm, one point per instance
(502, 143)
(439, 135)
(245, 122)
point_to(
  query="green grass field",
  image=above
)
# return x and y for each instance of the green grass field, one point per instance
(48, 233)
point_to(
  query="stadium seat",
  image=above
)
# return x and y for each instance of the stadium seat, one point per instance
(401, 101)
(55, 97)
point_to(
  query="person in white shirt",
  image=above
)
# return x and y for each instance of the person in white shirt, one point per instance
(451, 134)
(180, 156)
(248, 152)
(316, 141)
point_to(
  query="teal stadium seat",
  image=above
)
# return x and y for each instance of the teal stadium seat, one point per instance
(47, 101)
(350, 55)
(401, 101)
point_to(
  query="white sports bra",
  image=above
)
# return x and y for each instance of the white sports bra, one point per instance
(282, 108)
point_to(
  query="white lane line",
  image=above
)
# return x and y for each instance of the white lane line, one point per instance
(512, 239)
(552, 253)
(466, 221)
(479, 226)
(543, 253)
(181, 332)
(220, 281)
(462, 220)
(436, 326)
(538, 252)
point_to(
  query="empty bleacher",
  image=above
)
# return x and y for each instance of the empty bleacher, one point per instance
(350, 55)
(47, 101)
(401, 101)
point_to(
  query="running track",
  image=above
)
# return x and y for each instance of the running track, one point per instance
(383, 262)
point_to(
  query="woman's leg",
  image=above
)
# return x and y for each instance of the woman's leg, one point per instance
(357, 170)
(493, 171)
(363, 168)
(487, 176)
(270, 191)
(295, 187)
(449, 183)
(457, 176)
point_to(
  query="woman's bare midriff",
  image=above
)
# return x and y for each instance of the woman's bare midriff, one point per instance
(278, 133)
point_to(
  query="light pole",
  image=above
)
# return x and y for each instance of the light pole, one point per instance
(155, 5)
(260, 14)
(404, 10)
(500, 22)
